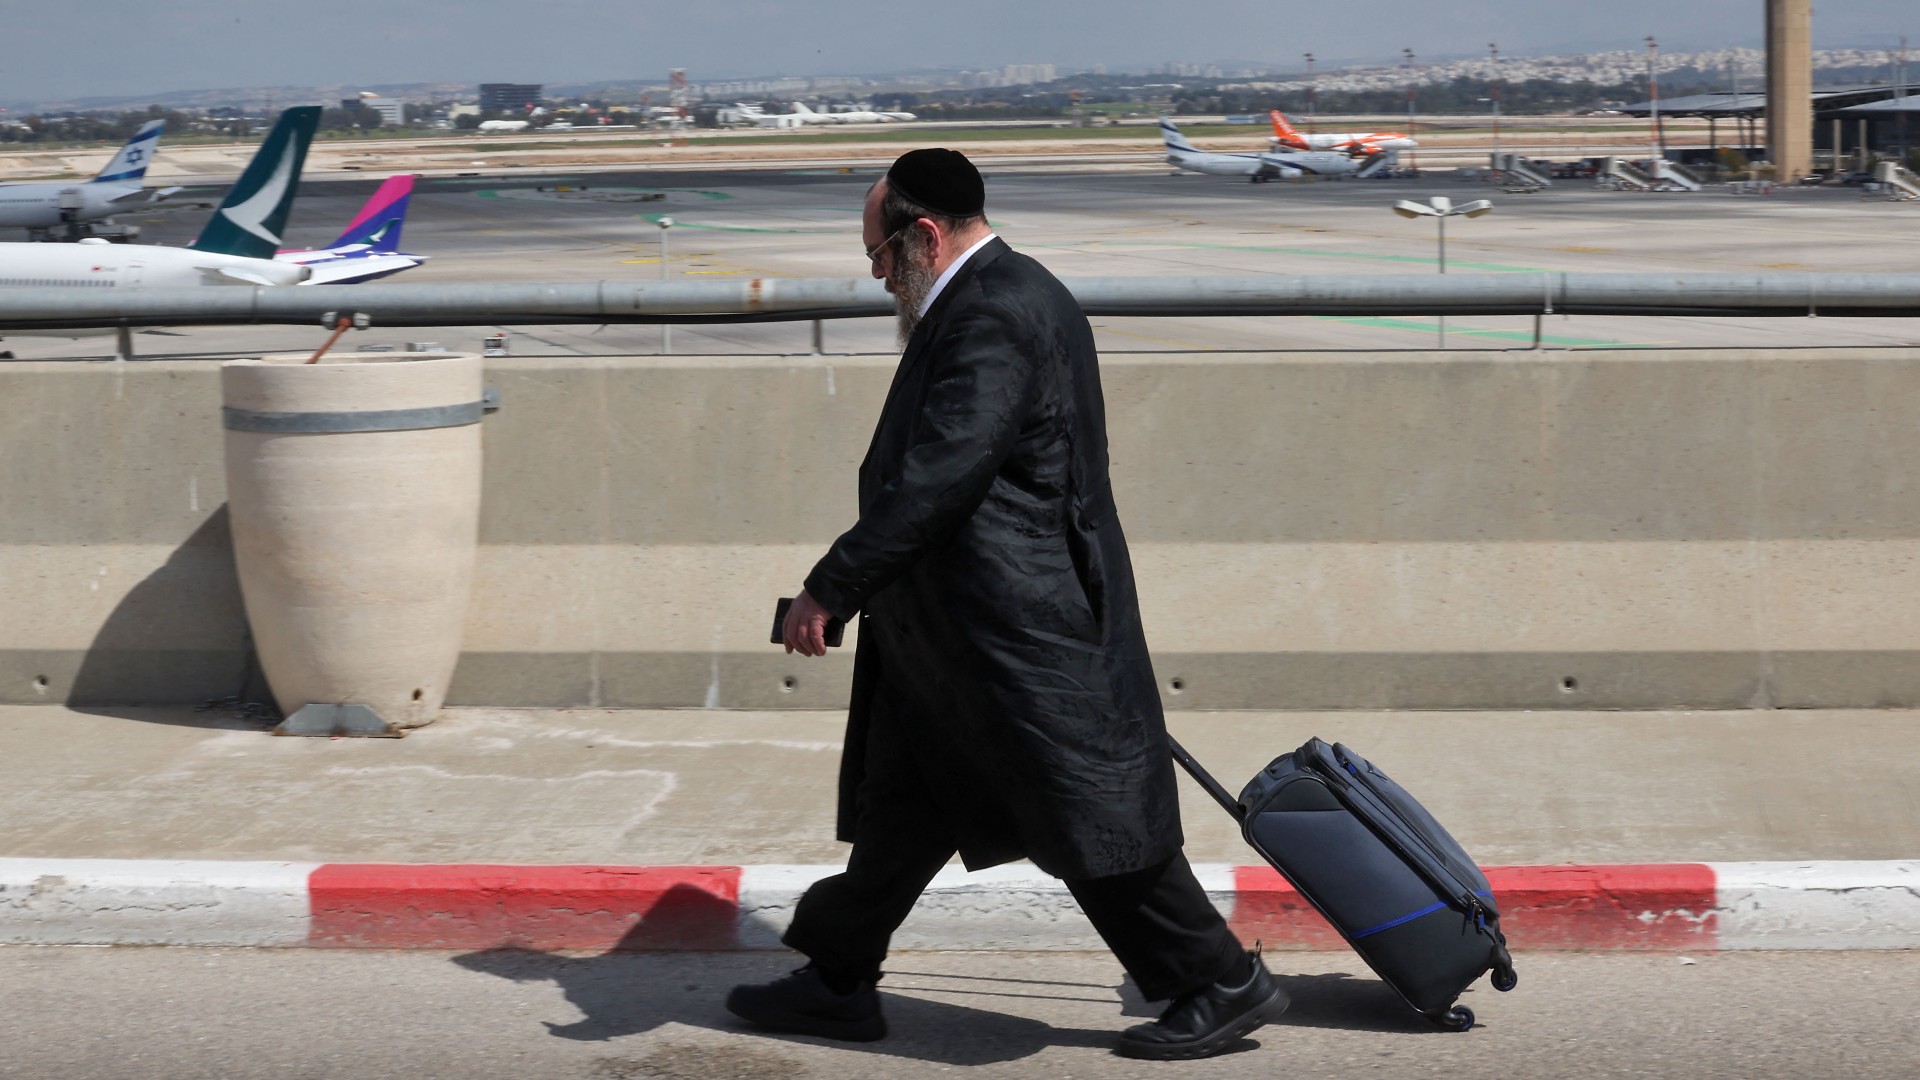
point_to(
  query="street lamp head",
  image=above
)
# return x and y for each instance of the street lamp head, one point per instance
(1476, 208)
(666, 223)
(1413, 209)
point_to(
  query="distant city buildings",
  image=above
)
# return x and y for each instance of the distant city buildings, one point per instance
(392, 111)
(509, 97)
(1010, 75)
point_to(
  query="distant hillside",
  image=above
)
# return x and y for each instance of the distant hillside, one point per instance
(248, 97)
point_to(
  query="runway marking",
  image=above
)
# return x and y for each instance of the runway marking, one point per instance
(523, 192)
(817, 230)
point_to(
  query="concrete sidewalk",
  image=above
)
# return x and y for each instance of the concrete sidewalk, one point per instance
(698, 830)
(744, 788)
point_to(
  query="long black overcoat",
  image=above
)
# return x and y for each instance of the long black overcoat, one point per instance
(1000, 633)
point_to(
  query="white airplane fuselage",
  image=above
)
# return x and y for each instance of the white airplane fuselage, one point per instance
(1263, 166)
(37, 206)
(97, 264)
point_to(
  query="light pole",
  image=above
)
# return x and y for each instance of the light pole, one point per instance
(1494, 91)
(666, 329)
(1440, 208)
(1653, 92)
(1412, 161)
(1310, 92)
(1900, 94)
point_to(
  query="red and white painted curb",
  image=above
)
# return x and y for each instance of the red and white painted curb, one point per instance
(1671, 906)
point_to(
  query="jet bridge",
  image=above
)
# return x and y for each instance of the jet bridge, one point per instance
(1901, 181)
(1517, 171)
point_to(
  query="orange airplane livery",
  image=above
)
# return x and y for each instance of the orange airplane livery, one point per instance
(1356, 143)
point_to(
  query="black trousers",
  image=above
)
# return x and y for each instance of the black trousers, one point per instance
(1157, 921)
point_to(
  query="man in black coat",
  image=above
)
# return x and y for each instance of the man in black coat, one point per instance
(1004, 704)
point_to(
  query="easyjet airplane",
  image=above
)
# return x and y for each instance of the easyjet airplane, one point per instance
(1357, 143)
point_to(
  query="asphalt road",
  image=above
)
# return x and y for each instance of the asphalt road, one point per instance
(156, 1014)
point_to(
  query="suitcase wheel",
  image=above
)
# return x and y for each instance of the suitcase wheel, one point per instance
(1458, 1018)
(1505, 978)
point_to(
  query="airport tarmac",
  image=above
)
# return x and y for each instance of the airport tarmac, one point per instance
(805, 222)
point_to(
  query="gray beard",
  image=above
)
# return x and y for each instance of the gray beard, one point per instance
(913, 279)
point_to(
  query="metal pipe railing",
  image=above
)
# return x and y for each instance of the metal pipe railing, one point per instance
(802, 299)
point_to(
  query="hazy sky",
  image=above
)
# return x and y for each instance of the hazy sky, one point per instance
(131, 47)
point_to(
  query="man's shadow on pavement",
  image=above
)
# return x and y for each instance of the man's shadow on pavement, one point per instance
(629, 992)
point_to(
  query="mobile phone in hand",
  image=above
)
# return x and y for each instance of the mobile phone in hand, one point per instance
(836, 630)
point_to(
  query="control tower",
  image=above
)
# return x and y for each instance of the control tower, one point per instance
(1790, 87)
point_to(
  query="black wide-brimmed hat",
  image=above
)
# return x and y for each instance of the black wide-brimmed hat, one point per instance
(941, 180)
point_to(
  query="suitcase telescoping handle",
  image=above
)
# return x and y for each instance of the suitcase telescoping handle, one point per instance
(1205, 779)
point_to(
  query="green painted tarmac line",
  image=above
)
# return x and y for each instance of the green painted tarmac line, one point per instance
(1387, 323)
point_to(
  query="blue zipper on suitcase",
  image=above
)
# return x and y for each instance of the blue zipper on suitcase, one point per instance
(1431, 864)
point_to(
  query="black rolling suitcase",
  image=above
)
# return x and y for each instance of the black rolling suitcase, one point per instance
(1371, 859)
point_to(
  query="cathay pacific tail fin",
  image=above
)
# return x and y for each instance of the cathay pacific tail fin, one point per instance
(253, 217)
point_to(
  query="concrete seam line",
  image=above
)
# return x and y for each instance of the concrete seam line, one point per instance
(1666, 907)
(153, 902)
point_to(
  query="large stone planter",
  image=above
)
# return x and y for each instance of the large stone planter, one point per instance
(354, 488)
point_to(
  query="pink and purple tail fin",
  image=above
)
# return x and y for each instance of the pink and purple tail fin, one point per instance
(378, 224)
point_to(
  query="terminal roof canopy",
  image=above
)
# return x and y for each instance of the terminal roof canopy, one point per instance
(1826, 99)
(1887, 107)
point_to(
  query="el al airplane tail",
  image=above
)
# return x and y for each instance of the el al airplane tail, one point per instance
(377, 226)
(253, 216)
(129, 166)
(1175, 140)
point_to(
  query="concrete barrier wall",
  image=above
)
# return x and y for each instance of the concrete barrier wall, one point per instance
(1636, 529)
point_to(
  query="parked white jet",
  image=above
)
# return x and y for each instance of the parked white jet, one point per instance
(1257, 168)
(236, 247)
(40, 208)
(801, 116)
(855, 116)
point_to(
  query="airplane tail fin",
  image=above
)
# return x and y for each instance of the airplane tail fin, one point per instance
(1175, 140)
(1282, 128)
(130, 164)
(800, 109)
(253, 216)
(378, 224)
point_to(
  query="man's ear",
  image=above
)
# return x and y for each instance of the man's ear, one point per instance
(936, 240)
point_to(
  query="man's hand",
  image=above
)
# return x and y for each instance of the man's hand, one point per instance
(805, 630)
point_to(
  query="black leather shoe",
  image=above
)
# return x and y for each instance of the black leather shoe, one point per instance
(1203, 1024)
(803, 1004)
